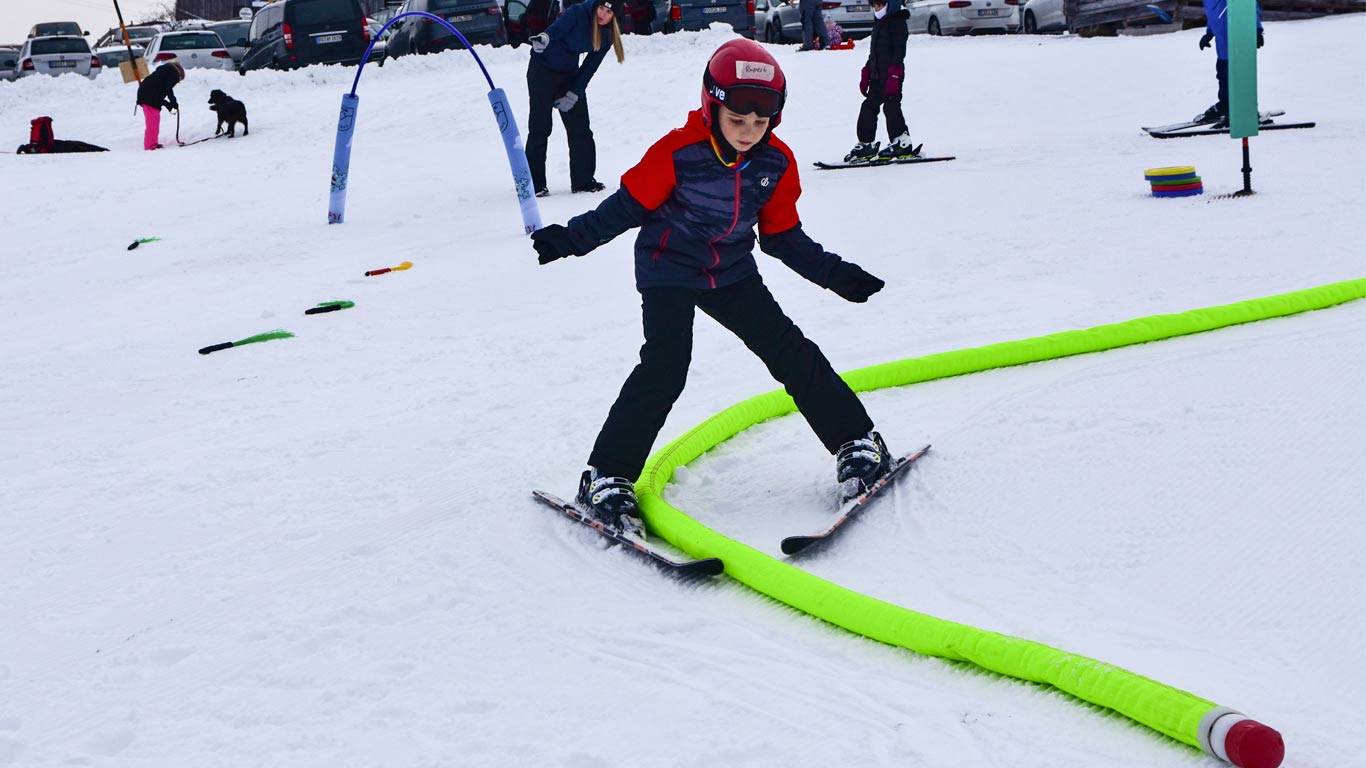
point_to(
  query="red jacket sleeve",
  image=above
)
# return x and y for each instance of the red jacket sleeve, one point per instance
(780, 213)
(651, 181)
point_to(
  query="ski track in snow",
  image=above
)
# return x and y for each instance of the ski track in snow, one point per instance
(323, 551)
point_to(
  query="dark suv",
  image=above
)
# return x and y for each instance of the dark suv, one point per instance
(295, 33)
(480, 21)
(691, 15)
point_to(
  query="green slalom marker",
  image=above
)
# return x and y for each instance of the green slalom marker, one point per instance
(329, 306)
(267, 336)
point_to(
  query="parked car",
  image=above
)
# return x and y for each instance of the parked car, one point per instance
(9, 64)
(961, 17)
(194, 49)
(287, 34)
(136, 35)
(54, 28)
(480, 21)
(524, 18)
(234, 37)
(58, 55)
(693, 15)
(114, 55)
(1044, 16)
(784, 22)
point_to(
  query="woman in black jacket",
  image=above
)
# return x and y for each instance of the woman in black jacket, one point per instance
(880, 85)
(157, 90)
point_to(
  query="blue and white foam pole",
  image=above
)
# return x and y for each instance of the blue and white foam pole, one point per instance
(521, 171)
(341, 158)
(502, 112)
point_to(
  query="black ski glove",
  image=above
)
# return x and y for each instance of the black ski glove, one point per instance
(1206, 39)
(851, 283)
(1261, 40)
(553, 242)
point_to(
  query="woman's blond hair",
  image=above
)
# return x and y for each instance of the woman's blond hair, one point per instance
(616, 34)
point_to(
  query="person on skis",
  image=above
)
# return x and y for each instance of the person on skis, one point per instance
(880, 83)
(1216, 29)
(156, 91)
(697, 196)
(555, 80)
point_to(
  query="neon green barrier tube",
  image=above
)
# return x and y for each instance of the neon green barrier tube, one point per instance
(1219, 731)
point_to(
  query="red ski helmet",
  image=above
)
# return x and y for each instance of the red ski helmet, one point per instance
(744, 78)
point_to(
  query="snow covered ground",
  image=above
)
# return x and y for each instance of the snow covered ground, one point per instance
(321, 551)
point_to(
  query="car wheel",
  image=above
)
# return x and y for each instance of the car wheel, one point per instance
(934, 26)
(773, 34)
(1031, 26)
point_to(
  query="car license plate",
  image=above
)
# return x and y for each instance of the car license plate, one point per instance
(989, 12)
(328, 39)
(61, 64)
(466, 17)
(715, 9)
(858, 8)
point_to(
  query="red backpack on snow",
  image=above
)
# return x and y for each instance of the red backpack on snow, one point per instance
(40, 136)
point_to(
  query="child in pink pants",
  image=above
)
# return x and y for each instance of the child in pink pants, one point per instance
(156, 91)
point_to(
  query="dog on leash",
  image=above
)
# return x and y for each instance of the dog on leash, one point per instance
(230, 111)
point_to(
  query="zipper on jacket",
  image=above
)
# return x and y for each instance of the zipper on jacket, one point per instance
(734, 219)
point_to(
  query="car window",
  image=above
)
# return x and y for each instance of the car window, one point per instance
(316, 12)
(187, 42)
(59, 45)
(9, 61)
(57, 28)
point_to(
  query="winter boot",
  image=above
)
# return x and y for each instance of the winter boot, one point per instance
(900, 147)
(862, 153)
(859, 463)
(612, 500)
(543, 192)
(592, 185)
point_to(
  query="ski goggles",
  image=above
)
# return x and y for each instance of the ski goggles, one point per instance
(749, 99)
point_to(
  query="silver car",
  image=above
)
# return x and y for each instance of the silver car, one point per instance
(783, 20)
(962, 17)
(58, 55)
(234, 36)
(194, 49)
(9, 64)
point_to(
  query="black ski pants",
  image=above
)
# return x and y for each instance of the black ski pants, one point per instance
(1221, 74)
(749, 311)
(890, 104)
(545, 85)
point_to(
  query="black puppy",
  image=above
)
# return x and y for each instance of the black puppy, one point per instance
(230, 111)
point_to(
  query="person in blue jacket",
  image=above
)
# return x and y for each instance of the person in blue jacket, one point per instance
(556, 80)
(1216, 29)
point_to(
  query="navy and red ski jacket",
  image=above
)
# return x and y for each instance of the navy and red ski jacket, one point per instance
(697, 215)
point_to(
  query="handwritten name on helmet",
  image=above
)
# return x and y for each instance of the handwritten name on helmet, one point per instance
(754, 70)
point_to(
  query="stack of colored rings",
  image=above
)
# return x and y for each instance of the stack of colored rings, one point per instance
(1174, 181)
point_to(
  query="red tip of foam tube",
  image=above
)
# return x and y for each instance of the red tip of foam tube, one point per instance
(1250, 744)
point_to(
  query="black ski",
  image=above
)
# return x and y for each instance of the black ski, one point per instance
(710, 566)
(1262, 117)
(794, 544)
(1219, 131)
(900, 161)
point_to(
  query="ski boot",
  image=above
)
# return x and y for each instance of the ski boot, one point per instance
(859, 463)
(612, 500)
(899, 148)
(1213, 116)
(862, 153)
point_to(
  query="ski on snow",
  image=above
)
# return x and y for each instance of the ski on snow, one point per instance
(900, 161)
(1262, 117)
(1218, 131)
(709, 566)
(794, 544)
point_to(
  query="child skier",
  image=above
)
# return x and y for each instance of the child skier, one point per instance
(880, 85)
(696, 196)
(1216, 29)
(156, 91)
